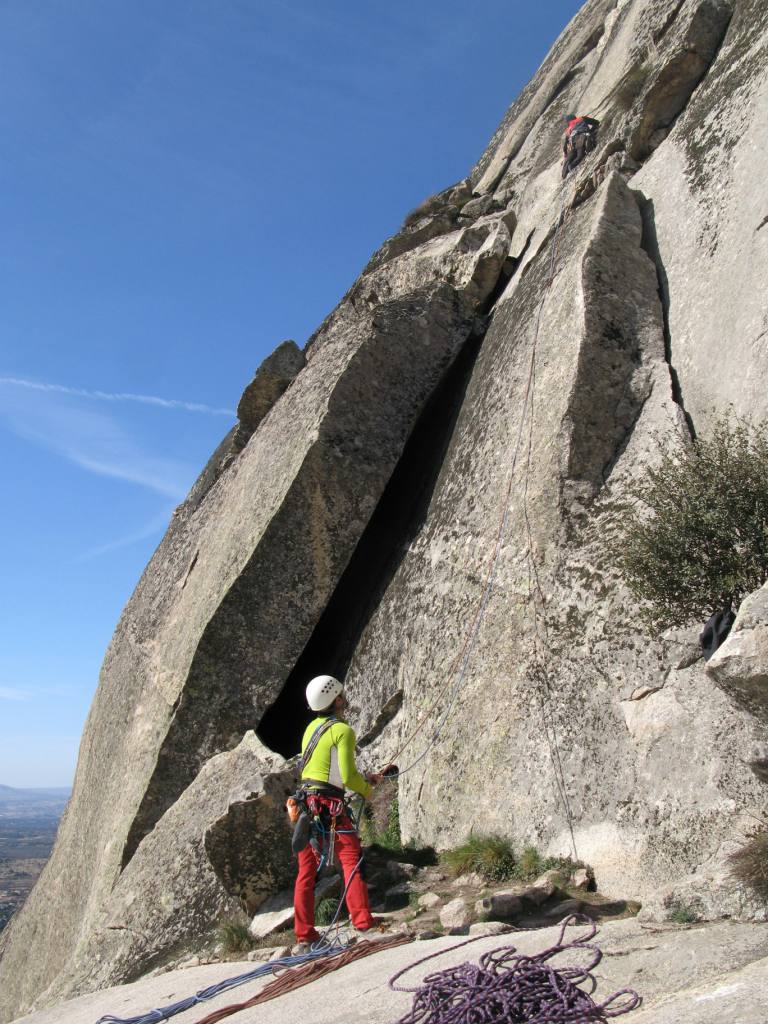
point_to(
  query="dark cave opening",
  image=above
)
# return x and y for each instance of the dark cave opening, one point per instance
(396, 520)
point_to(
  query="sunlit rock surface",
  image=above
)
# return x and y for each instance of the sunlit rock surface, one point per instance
(420, 501)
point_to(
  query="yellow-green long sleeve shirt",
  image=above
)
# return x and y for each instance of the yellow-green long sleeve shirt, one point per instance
(333, 759)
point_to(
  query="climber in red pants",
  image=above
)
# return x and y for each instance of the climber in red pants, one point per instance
(327, 767)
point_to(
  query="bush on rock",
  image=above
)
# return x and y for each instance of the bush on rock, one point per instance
(694, 537)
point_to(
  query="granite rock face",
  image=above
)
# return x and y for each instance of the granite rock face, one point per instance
(233, 592)
(222, 847)
(701, 975)
(740, 665)
(272, 378)
(420, 500)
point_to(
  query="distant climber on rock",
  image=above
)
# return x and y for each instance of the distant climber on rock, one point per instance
(580, 138)
(327, 767)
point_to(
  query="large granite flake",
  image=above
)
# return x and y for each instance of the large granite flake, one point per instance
(230, 597)
(571, 711)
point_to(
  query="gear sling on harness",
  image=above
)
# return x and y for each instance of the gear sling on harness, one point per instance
(315, 814)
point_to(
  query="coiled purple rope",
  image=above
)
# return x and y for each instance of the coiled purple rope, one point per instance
(516, 989)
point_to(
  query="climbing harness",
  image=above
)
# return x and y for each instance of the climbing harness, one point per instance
(509, 986)
(315, 819)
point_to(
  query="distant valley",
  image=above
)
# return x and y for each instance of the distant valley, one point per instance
(29, 819)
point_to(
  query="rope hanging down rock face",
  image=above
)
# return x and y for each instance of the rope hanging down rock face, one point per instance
(516, 989)
(459, 667)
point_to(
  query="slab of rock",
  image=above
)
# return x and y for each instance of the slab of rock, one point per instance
(706, 896)
(580, 879)
(229, 601)
(429, 900)
(704, 975)
(685, 183)
(456, 916)
(500, 906)
(276, 913)
(740, 665)
(266, 953)
(222, 847)
(604, 309)
(488, 928)
(272, 378)
(541, 889)
(585, 451)
(471, 880)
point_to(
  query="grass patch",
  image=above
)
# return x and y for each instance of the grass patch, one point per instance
(325, 911)
(750, 863)
(233, 936)
(387, 836)
(380, 831)
(493, 857)
(681, 914)
(532, 864)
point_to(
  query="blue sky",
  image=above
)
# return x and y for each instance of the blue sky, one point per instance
(183, 185)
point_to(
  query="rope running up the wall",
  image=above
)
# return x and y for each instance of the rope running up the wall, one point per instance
(463, 658)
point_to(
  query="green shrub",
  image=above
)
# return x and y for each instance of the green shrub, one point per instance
(234, 937)
(750, 863)
(494, 858)
(694, 533)
(388, 837)
(491, 856)
(681, 914)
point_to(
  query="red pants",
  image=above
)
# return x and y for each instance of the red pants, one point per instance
(349, 853)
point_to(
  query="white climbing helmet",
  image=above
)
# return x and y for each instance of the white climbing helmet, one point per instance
(322, 691)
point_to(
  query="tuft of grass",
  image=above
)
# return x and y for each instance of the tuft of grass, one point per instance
(387, 837)
(529, 864)
(750, 863)
(234, 937)
(325, 911)
(491, 856)
(681, 914)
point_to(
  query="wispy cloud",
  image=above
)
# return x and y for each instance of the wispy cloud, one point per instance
(155, 526)
(94, 442)
(7, 693)
(116, 396)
